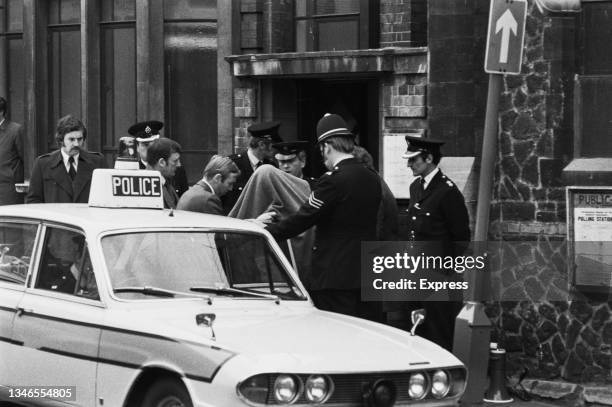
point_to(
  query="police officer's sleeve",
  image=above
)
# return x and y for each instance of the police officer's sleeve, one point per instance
(320, 202)
(456, 216)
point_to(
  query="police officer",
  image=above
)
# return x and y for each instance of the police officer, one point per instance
(259, 152)
(343, 206)
(291, 158)
(145, 133)
(436, 214)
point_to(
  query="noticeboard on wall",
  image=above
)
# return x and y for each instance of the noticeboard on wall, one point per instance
(589, 221)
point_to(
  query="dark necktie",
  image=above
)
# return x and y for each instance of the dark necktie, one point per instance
(259, 164)
(422, 185)
(71, 169)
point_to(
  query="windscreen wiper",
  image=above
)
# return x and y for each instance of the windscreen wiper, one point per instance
(234, 291)
(154, 291)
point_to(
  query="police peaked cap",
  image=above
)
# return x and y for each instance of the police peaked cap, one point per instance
(418, 145)
(146, 131)
(266, 131)
(332, 125)
(288, 150)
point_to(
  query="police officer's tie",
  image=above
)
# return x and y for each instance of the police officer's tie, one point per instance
(71, 169)
(421, 187)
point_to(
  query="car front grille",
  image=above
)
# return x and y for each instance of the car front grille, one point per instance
(349, 388)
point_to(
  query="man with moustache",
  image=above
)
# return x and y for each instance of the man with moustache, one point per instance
(64, 176)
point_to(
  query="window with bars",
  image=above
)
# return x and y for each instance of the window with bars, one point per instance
(333, 25)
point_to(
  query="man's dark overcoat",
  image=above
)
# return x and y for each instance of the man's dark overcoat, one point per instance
(50, 182)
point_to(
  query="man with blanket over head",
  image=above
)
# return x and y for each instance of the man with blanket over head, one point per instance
(272, 190)
(343, 206)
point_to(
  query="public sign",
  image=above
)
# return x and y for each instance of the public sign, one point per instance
(505, 36)
(590, 237)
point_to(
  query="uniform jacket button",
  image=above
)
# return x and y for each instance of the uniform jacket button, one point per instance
(414, 218)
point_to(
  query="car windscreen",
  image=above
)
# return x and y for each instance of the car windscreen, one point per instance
(231, 264)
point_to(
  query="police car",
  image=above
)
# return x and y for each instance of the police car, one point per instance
(103, 305)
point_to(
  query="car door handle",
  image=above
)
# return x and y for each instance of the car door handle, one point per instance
(21, 311)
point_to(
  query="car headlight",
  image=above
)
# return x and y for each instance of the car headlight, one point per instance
(317, 389)
(417, 387)
(286, 389)
(255, 389)
(440, 384)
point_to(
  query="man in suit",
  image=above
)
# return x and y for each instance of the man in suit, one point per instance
(147, 132)
(436, 214)
(219, 178)
(164, 155)
(64, 176)
(11, 157)
(291, 158)
(343, 206)
(259, 152)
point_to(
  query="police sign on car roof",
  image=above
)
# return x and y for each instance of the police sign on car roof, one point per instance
(126, 189)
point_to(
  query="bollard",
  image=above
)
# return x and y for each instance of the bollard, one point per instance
(497, 392)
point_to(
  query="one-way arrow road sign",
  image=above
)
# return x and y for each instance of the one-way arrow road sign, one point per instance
(505, 36)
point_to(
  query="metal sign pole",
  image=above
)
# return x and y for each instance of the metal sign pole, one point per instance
(472, 326)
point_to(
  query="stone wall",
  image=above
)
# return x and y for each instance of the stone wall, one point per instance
(553, 339)
(456, 95)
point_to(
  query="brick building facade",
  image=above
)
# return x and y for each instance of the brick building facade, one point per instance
(426, 67)
(391, 68)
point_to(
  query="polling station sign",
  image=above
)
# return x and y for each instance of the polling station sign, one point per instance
(590, 237)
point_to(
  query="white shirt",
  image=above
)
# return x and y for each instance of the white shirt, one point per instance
(209, 186)
(254, 160)
(429, 177)
(65, 158)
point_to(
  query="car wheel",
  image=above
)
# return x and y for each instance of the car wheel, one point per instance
(167, 393)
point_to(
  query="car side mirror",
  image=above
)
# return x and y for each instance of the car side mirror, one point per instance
(417, 317)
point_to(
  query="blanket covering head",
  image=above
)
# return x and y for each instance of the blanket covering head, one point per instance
(270, 189)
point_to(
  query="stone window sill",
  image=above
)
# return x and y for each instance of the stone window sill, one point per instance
(589, 172)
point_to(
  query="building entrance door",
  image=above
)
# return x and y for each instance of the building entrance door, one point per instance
(355, 100)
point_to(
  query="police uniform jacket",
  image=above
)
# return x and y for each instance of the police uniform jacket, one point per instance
(246, 170)
(312, 182)
(438, 214)
(50, 182)
(343, 206)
